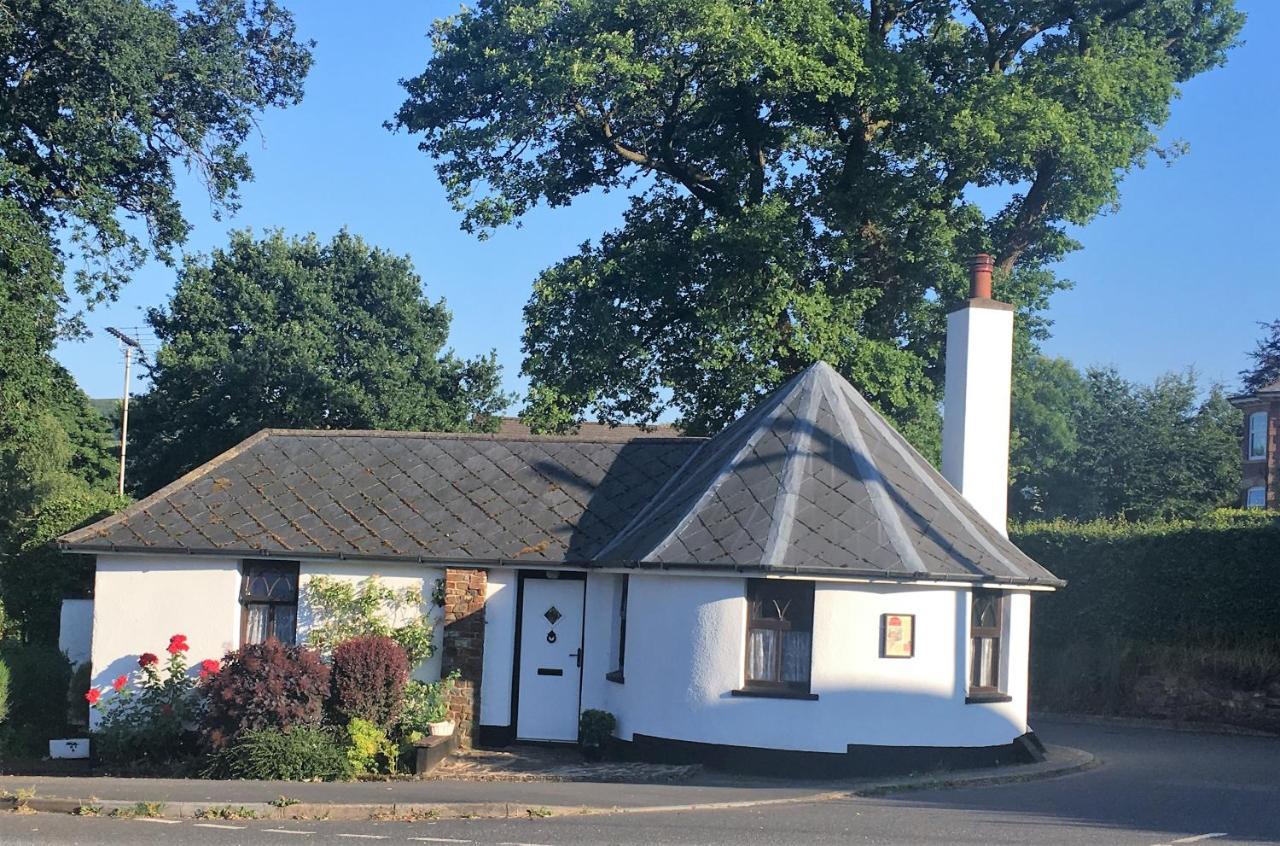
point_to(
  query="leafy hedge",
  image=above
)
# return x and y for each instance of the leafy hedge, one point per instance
(1214, 581)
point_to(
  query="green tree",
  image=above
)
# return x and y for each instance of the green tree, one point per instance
(102, 99)
(802, 172)
(292, 332)
(1266, 359)
(1098, 445)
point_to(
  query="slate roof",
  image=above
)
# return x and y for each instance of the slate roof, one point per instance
(815, 479)
(1270, 391)
(396, 495)
(811, 481)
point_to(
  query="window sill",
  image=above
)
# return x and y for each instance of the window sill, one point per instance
(616, 677)
(979, 697)
(767, 693)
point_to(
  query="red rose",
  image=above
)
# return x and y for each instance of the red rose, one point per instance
(93, 696)
(146, 659)
(209, 667)
(178, 643)
(119, 683)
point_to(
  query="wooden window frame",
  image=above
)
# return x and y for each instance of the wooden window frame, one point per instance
(246, 603)
(987, 693)
(619, 675)
(781, 689)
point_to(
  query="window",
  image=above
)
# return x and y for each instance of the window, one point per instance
(779, 635)
(1256, 497)
(1257, 436)
(986, 626)
(269, 601)
(620, 633)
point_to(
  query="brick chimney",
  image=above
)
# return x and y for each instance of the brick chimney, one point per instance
(975, 428)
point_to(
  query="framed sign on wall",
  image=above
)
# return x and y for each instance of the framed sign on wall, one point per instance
(897, 635)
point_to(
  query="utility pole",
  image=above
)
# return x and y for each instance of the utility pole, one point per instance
(129, 345)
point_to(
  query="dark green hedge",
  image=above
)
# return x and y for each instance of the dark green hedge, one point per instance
(1215, 581)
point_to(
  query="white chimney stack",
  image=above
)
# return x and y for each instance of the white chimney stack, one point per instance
(975, 427)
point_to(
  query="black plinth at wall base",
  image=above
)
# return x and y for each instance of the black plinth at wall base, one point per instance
(858, 761)
(495, 737)
(430, 751)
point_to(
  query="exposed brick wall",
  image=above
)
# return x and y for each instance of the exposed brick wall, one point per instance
(1272, 479)
(464, 594)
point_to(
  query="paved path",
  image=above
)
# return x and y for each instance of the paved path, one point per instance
(1154, 787)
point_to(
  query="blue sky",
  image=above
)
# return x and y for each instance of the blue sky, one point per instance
(1178, 277)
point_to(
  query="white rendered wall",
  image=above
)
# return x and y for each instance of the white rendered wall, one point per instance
(75, 630)
(141, 601)
(685, 654)
(499, 647)
(975, 428)
(394, 577)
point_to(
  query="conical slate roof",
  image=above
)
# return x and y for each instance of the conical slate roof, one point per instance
(814, 480)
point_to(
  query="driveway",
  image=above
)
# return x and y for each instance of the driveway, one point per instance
(1153, 787)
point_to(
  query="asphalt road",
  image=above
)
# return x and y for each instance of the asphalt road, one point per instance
(1154, 787)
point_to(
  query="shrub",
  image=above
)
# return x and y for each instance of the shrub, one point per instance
(264, 686)
(149, 716)
(344, 610)
(369, 675)
(38, 679)
(300, 753)
(4, 690)
(595, 731)
(426, 702)
(368, 749)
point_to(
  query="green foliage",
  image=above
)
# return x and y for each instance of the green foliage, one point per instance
(595, 728)
(77, 707)
(1175, 582)
(4, 690)
(292, 332)
(368, 679)
(147, 716)
(802, 173)
(425, 703)
(1266, 359)
(38, 678)
(1096, 445)
(342, 610)
(301, 753)
(368, 749)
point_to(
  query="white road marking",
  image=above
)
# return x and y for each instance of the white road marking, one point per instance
(366, 836)
(287, 831)
(439, 840)
(1195, 838)
(522, 844)
(157, 819)
(219, 826)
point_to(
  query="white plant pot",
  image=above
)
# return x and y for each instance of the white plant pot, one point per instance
(444, 728)
(74, 747)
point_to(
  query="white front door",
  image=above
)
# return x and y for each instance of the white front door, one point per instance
(550, 659)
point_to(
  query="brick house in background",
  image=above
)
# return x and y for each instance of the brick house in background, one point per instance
(1260, 447)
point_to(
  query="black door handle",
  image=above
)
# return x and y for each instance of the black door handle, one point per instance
(578, 656)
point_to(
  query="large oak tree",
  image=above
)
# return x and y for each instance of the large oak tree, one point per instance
(296, 333)
(805, 175)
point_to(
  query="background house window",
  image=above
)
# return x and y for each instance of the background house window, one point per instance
(1257, 435)
(986, 627)
(269, 601)
(779, 634)
(619, 652)
(1255, 497)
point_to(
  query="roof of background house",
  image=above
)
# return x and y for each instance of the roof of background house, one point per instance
(1267, 392)
(514, 427)
(811, 481)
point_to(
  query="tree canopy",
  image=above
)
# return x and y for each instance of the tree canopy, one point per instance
(1096, 445)
(103, 101)
(295, 333)
(804, 175)
(1266, 359)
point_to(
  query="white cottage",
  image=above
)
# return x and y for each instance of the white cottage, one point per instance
(801, 591)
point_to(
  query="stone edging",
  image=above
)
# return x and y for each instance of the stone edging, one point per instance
(1063, 761)
(1185, 726)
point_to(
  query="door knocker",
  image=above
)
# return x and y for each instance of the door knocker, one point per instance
(551, 636)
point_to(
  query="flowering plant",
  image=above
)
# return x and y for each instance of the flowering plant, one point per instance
(150, 711)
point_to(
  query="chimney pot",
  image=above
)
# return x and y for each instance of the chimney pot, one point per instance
(980, 276)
